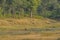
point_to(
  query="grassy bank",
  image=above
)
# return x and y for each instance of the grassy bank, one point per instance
(11, 29)
(28, 23)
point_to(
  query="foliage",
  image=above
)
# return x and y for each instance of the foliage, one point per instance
(24, 8)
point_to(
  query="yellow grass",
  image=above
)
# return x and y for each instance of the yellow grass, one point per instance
(29, 23)
(29, 37)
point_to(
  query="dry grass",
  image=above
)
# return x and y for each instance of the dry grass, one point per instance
(7, 24)
(43, 22)
(27, 37)
(28, 23)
